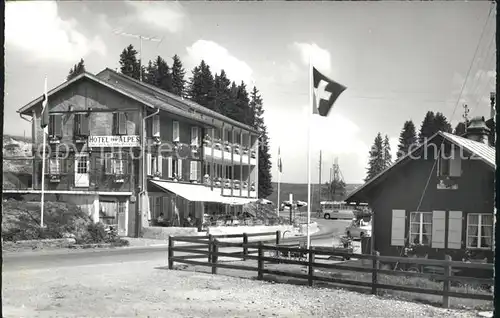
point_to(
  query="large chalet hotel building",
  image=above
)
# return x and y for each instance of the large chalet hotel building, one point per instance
(127, 152)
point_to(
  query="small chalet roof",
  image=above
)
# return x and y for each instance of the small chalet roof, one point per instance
(483, 152)
(150, 100)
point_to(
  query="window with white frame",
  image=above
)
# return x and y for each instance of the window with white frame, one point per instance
(115, 164)
(421, 228)
(55, 166)
(479, 230)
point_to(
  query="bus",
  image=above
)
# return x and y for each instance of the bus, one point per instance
(336, 210)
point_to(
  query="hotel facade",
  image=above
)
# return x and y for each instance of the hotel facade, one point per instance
(127, 152)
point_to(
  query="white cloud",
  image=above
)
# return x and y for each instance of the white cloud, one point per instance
(169, 16)
(35, 27)
(319, 56)
(218, 57)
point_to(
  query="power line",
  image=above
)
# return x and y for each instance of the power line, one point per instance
(455, 109)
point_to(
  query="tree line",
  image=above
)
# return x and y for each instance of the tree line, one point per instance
(380, 152)
(214, 91)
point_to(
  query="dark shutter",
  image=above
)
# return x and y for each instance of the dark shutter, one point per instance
(108, 163)
(76, 124)
(115, 124)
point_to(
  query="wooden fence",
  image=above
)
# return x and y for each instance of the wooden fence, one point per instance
(208, 247)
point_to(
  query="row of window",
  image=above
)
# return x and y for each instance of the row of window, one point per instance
(172, 168)
(81, 124)
(114, 164)
(429, 228)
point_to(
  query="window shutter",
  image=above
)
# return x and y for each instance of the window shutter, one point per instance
(194, 136)
(115, 124)
(148, 164)
(198, 170)
(455, 166)
(398, 227)
(76, 124)
(108, 163)
(159, 165)
(156, 126)
(169, 167)
(179, 168)
(84, 124)
(175, 132)
(192, 170)
(438, 229)
(122, 121)
(455, 230)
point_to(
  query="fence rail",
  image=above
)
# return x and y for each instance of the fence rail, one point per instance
(208, 248)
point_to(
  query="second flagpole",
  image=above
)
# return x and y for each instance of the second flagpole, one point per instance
(310, 112)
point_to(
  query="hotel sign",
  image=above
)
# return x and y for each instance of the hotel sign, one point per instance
(114, 141)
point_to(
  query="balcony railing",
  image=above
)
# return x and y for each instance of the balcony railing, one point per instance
(229, 147)
(228, 183)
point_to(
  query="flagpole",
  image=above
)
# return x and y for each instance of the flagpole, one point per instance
(42, 199)
(279, 181)
(310, 112)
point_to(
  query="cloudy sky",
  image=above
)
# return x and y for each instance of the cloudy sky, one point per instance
(398, 60)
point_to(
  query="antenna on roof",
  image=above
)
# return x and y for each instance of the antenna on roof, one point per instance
(140, 37)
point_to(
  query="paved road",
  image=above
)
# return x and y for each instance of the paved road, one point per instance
(35, 260)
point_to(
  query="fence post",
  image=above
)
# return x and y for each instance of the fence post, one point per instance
(446, 282)
(260, 262)
(375, 264)
(170, 252)
(245, 248)
(210, 243)
(311, 268)
(278, 237)
(215, 249)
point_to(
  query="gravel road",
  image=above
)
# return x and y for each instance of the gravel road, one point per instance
(144, 289)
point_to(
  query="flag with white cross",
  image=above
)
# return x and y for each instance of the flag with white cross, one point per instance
(326, 92)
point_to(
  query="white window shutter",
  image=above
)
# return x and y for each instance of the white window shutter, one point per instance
(148, 164)
(169, 165)
(438, 229)
(455, 166)
(194, 136)
(398, 227)
(193, 171)
(159, 164)
(455, 230)
(179, 168)
(156, 126)
(175, 132)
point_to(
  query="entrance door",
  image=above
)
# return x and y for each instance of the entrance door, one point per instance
(114, 213)
(82, 171)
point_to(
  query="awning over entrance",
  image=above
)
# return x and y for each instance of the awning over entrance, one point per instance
(191, 192)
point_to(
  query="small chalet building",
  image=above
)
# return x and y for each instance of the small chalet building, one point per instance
(127, 152)
(438, 199)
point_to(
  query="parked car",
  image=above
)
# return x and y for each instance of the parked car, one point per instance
(358, 229)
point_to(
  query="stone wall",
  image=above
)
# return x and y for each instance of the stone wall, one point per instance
(162, 233)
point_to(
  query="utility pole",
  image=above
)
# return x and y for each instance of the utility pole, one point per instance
(319, 181)
(140, 37)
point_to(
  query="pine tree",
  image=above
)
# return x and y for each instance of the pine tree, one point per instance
(407, 138)
(376, 164)
(178, 73)
(129, 64)
(222, 102)
(460, 129)
(76, 70)
(264, 168)
(201, 88)
(243, 104)
(387, 152)
(163, 76)
(427, 129)
(150, 74)
(441, 123)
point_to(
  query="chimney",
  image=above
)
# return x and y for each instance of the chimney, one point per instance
(477, 130)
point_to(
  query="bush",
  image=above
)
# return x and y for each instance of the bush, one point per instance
(21, 221)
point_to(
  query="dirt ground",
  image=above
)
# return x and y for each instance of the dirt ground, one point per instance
(148, 289)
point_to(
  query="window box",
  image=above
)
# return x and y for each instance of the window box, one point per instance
(245, 150)
(253, 186)
(218, 144)
(194, 149)
(157, 140)
(236, 150)
(119, 179)
(446, 182)
(253, 155)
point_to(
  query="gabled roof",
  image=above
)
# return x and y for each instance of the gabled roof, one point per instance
(483, 152)
(194, 106)
(152, 101)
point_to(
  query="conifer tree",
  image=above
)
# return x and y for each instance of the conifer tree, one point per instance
(407, 138)
(178, 73)
(129, 64)
(387, 152)
(376, 163)
(76, 70)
